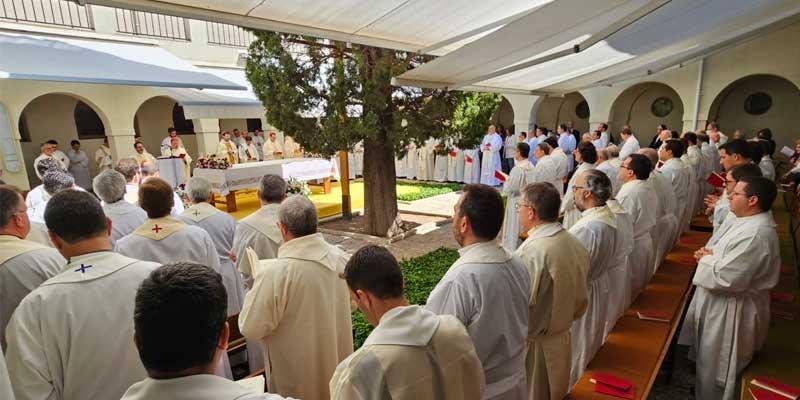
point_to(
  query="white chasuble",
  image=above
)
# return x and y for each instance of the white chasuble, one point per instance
(72, 338)
(641, 203)
(299, 311)
(558, 264)
(412, 354)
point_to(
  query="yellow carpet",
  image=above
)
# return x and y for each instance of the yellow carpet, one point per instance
(327, 204)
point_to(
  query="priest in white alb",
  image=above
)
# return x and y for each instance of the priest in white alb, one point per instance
(472, 166)
(558, 264)
(102, 156)
(630, 144)
(490, 157)
(72, 337)
(298, 308)
(181, 332)
(53, 181)
(79, 165)
(673, 168)
(227, 148)
(546, 169)
(619, 272)
(425, 162)
(641, 202)
(175, 150)
(521, 175)
(562, 163)
(412, 354)
(597, 231)
(441, 162)
(455, 165)
(272, 149)
(24, 265)
(37, 195)
(586, 157)
(125, 217)
(259, 230)
(604, 165)
(488, 290)
(221, 227)
(728, 318)
(142, 155)
(665, 230)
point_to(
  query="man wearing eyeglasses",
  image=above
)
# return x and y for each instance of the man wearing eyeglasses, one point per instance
(24, 264)
(558, 264)
(728, 318)
(597, 231)
(731, 178)
(641, 202)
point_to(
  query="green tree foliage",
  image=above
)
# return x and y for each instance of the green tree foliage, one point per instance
(331, 95)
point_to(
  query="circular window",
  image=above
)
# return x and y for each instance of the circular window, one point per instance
(757, 103)
(582, 110)
(661, 107)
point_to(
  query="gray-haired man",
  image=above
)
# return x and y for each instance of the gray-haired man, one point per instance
(125, 217)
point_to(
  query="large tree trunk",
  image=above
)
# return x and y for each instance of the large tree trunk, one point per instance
(380, 192)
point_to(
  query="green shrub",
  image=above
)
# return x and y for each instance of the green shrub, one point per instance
(426, 189)
(421, 274)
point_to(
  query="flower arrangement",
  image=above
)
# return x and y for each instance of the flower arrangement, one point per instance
(212, 162)
(296, 186)
(182, 194)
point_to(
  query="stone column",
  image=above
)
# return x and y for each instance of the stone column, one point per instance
(524, 110)
(207, 134)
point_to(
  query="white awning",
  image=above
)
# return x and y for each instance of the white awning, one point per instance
(217, 103)
(675, 32)
(63, 59)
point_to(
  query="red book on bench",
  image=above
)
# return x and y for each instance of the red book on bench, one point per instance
(764, 394)
(781, 297)
(613, 385)
(775, 386)
(653, 315)
(716, 180)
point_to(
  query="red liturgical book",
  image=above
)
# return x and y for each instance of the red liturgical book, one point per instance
(775, 386)
(763, 394)
(652, 315)
(716, 180)
(781, 297)
(613, 385)
(182, 156)
(453, 153)
(467, 158)
(659, 164)
(500, 175)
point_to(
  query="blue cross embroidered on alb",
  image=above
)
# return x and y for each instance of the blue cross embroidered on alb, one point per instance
(83, 268)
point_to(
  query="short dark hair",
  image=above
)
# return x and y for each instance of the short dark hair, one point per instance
(171, 129)
(375, 270)
(588, 152)
(179, 313)
(544, 147)
(675, 134)
(763, 188)
(10, 200)
(675, 146)
(765, 134)
(545, 200)
(483, 207)
(599, 184)
(768, 146)
(625, 131)
(52, 141)
(747, 169)
(662, 126)
(563, 127)
(137, 143)
(156, 197)
(74, 142)
(703, 138)
(737, 146)
(756, 151)
(524, 149)
(75, 215)
(604, 125)
(552, 141)
(640, 165)
(691, 137)
(713, 124)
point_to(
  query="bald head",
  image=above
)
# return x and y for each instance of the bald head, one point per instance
(652, 154)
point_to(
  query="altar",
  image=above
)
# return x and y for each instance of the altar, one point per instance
(226, 182)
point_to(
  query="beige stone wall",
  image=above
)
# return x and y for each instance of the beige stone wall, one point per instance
(633, 107)
(556, 110)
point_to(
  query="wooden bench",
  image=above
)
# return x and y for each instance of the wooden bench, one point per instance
(635, 349)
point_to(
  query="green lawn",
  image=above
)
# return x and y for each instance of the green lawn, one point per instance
(411, 190)
(421, 274)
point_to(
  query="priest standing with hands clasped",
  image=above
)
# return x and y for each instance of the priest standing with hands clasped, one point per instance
(490, 159)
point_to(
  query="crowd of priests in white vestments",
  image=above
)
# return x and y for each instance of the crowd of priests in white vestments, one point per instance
(558, 234)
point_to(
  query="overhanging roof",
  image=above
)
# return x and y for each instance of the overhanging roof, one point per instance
(65, 59)
(216, 103)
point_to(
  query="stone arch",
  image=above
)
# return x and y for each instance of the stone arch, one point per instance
(728, 107)
(52, 116)
(646, 105)
(555, 110)
(151, 120)
(505, 115)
